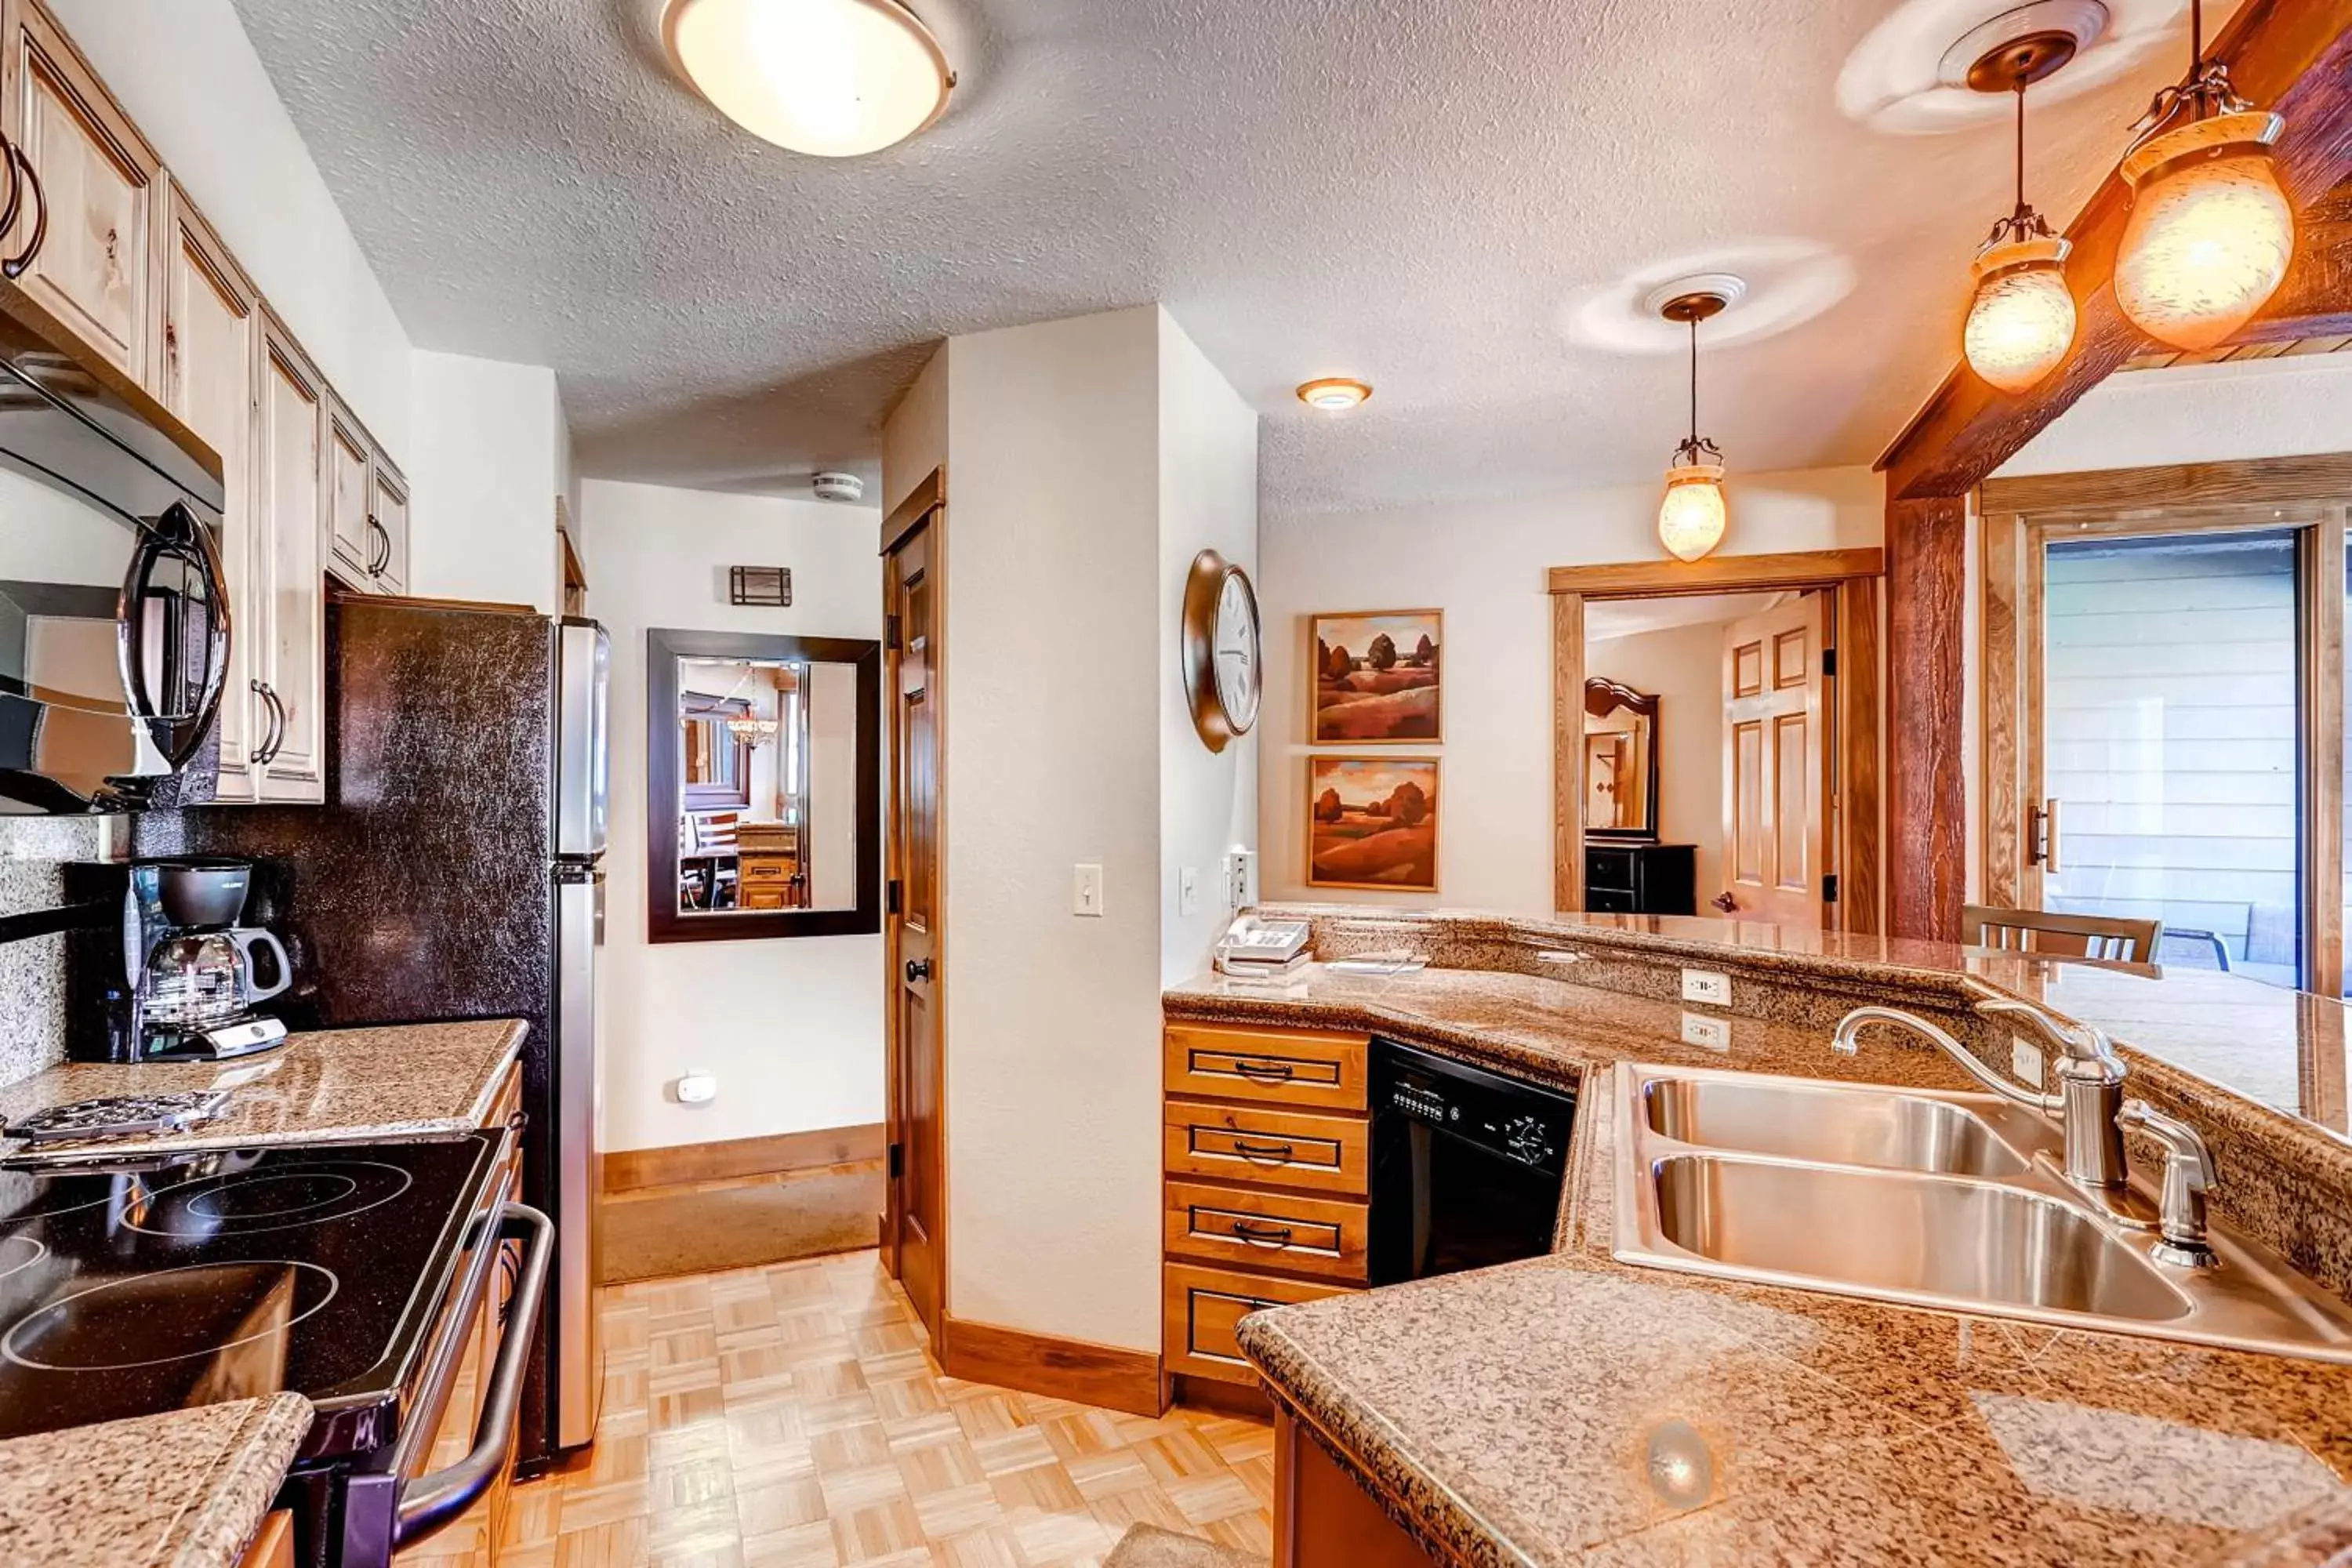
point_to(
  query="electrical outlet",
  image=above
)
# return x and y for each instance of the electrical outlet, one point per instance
(1243, 864)
(2025, 1060)
(1709, 1034)
(1086, 891)
(1706, 985)
(1188, 890)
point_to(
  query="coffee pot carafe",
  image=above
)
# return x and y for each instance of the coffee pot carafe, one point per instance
(169, 973)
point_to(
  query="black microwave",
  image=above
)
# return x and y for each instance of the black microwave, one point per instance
(114, 611)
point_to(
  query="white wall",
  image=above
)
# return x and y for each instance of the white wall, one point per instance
(1208, 501)
(486, 463)
(1051, 759)
(1484, 564)
(188, 77)
(793, 1028)
(915, 436)
(2199, 414)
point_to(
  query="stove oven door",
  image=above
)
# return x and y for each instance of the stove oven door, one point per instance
(451, 1467)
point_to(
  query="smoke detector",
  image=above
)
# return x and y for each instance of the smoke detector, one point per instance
(838, 487)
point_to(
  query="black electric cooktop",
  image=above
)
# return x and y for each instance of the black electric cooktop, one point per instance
(161, 1285)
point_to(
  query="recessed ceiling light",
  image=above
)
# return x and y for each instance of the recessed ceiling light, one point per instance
(834, 78)
(1334, 394)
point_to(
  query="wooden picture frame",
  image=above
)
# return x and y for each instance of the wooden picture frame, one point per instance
(1603, 698)
(1398, 698)
(665, 647)
(1373, 792)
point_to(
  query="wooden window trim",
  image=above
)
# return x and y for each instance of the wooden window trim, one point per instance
(2017, 517)
(1852, 578)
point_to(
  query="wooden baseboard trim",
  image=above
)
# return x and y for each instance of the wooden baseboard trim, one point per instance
(625, 1170)
(1105, 1376)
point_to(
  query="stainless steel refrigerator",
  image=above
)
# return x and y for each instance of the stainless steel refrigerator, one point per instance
(456, 872)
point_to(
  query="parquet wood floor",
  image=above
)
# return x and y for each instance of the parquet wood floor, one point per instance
(788, 1416)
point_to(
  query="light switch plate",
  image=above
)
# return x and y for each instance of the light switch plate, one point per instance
(1706, 985)
(1086, 891)
(1188, 890)
(1709, 1034)
(2025, 1060)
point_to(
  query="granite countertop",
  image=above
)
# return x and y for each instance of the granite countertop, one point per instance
(1574, 1409)
(393, 1081)
(184, 1490)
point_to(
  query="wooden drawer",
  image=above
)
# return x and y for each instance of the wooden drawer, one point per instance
(1283, 1067)
(1202, 1307)
(1242, 1227)
(507, 1100)
(1268, 1147)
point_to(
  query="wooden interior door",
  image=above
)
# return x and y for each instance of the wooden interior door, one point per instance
(914, 1230)
(1774, 715)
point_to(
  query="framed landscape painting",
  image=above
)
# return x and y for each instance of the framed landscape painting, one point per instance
(1376, 676)
(1373, 823)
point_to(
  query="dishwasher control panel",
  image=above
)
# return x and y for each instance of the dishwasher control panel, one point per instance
(1523, 1121)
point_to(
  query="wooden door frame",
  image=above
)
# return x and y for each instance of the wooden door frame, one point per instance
(2017, 518)
(925, 506)
(1852, 578)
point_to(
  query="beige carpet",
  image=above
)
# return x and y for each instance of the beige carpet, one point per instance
(706, 1228)
(1147, 1546)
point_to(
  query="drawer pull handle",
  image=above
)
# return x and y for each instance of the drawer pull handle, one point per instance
(1265, 1071)
(1265, 1154)
(1262, 1236)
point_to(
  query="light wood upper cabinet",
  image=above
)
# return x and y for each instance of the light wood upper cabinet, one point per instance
(391, 513)
(210, 342)
(87, 230)
(351, 544)
(292, 643)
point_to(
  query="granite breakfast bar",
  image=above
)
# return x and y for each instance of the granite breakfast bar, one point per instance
(1574, 1408)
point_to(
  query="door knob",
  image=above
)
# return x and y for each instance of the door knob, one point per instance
(917, 970)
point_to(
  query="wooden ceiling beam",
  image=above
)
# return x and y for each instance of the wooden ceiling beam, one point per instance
(2293, 57)
(2316, 301)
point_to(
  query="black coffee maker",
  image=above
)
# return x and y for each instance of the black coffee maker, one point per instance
(162, 971)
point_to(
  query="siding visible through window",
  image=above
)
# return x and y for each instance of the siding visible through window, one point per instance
(2170, 717)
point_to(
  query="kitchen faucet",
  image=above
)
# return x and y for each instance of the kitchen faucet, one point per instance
(2091, 1113)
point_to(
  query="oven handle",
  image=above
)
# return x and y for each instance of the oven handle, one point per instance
(436, 1499)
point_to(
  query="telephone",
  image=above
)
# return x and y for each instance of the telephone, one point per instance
(1254, 946)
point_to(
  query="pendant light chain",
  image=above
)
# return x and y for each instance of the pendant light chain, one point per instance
(1693, 381)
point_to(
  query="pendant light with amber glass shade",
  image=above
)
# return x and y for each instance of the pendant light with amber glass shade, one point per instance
(2210, 231)
(2021, 321)
(1692, 518)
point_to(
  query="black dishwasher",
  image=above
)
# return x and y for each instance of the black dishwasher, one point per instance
(1467, 1165)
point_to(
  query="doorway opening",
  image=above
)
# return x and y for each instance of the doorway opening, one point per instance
(1716, 741)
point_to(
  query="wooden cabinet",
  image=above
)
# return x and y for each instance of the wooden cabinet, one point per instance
(367, 509)
(390, 512)
(88, 235)
(1266, 1154)
(290, 659)
(1324, 1515)
(272, 1545)
(210, 347)
(1641, 879)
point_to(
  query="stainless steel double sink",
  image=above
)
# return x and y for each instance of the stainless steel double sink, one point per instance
(1922, 1197)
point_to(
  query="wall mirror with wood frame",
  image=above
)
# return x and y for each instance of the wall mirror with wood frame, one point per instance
(762, 801)
(1620, 762)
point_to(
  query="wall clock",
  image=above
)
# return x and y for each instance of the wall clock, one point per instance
(1220, 649)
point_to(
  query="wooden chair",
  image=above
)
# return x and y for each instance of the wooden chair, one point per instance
(2104, 937)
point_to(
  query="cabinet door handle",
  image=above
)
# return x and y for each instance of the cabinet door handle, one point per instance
(14, 266)
(380, 556)
(918, 971)
(1265, 1154)
(1262, 1236)
(1265, 1071)
(261, 754)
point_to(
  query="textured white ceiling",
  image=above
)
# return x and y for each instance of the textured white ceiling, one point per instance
(1436, 196)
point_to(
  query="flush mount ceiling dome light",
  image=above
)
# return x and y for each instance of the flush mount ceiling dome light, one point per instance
(2210, 231)
(2021, 320)
(834, 78)
(1334, 394)
(1692, 518)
